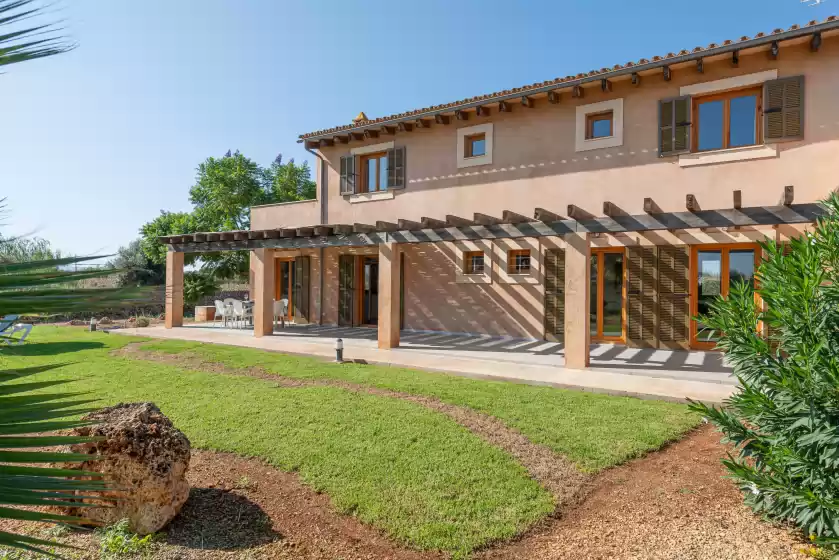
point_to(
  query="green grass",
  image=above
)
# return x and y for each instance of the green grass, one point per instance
(414, 473)
(595, 431)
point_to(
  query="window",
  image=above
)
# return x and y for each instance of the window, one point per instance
(518, 261)
(473, 262)
(475, 145)
(727, 120)
(373, 172)
(599, 125)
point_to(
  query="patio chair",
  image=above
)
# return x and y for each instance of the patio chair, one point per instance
(241, 312)
(281, 310)
(224, 311)
(8, 328)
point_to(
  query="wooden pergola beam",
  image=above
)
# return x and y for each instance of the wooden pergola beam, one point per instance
(238, 235)
(322, 230)
(789, 195)
(271, 234)
(408, 225)
(577, 213)
(342, 229)
(363, 228)
(613, 210)
(485, 220)
(510, 217)
(305, 231)
(650, 207)
(432, 223)
(738, 199)
(288, 232)
(213, 237)
(543, 215)
(457, 221)
(743, 217)
(691, 203)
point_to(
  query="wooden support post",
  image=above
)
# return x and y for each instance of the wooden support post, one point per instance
(738, 199)
(389, 295)
(174, 294)
(691, 203)
(577, 294)
(262, 291)
(546, 215)
(789, 194)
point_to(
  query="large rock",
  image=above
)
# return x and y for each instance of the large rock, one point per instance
(145, 456)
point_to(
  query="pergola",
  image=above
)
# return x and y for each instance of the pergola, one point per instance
(575, 228)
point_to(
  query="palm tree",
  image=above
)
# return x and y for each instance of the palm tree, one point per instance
(24, 42)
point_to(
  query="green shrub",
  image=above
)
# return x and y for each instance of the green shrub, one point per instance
(142, 322)
(784, 418)
(117, 540)
(198, 284)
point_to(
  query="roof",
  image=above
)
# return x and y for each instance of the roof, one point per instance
(832, 22)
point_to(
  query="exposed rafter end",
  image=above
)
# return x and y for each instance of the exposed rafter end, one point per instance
(667, 73)
(371, 133)
(432, 223)
(816, 42)
(527, 102)
(650, 207)
(636, 79)
(613, 210)
(543, 215)
(482, 111)
(504, 107)
(423, 123)
(305, 231)
(577, 213)
(457, 221)
(342, 139)
(386, 226)
(691, 203)
(774, 50)
(577, 92)
(510, 217)
(700, 65)
(322, 231)
(388, 130)
(363, 228)
(789, 194)
(485, 220)
(461, 115)
(553, 97)
(442, 119)
(405, 127)
(326, 142)
(408, 225)
(738, 199)
(605, 86)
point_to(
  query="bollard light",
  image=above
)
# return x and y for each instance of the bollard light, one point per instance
(339, 350)
(92, 324)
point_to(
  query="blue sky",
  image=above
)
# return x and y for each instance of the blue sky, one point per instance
(96, 142)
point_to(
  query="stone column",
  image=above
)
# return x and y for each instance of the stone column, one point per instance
(174, 295)
(577, 298)
(390, 281)
(262, 291)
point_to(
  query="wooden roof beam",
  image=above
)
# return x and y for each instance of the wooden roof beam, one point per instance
(405, 127)
(666, 73)
(326, 142)
(342, 229)
(605, 86)
(774, 50)
(305, 231)
(738, 199)
(700, 65)
(423, 123)
(238, 236)
(457, 221)
(789, 194)
(482, 111)
(543, 215)
(386, 226)
(389, 130)
(370, 133)
(485, 220)
(461, 115)
(253, 234)
(504, 107)
(650, 207)
(636, 79)
(322, 230)
(432, 223)
(214, 237)
(363, 228)
(554, 97)
(735, 58)
(510, 217)
(408, 225)
(577, 92)
(357, 135)
(441, 119)
(613, 210)
(527, 102)
(288, 232)
(272, 234)
(816, 42)
(226, 236)
(691, 203)
(577, 213)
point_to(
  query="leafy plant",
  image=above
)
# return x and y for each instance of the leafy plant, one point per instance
(117, 540)
(784, 418)
(27, 42)
(142, 322)
(198, 284)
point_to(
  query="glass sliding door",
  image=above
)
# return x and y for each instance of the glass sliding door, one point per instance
(714, 269)
(607, 294)
(368, 291)
(285, 283)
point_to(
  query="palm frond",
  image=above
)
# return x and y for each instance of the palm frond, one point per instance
(28, 42)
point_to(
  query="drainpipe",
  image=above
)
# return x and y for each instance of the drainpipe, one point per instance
(323, 220)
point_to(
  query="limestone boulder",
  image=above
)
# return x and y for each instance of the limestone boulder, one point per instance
(145, 457)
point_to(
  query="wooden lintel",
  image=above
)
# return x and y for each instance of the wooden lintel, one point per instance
(423, 123)
(457, 221)
(441, 119)
(738, 199)
(461, 115)
(735, 58)
(605, 86)
(408, 225)
(700, 65)
(577, 92)
(543, 215)
(816, 42)
(636, 79)
(405, 127)
(305, 231)
(577, 213)
(342, 229)
(288, 232)
(554, 97)
(388, 130)
(504, 107)
(527, 102)
(322, 230)
(691, 203)
(666, 73)
(432, 223)
(510, 217)
(482, 111)
(363, 228)
(774, 50)
(386, 226)
(326, 142)
(789, 194)
(485, 220)
(370, 133)
(650, 207)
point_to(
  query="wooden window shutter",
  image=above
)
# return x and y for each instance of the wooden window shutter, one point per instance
(301, 290)
(674, 126)
(555, 295)
(642, 297)
(396, 168)
(783, 109)
(348, 175)
(346, 289)
(673, 297)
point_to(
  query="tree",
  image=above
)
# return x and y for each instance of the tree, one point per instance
(167, 223)
(24, 249)
(784, 417)
(139, 270)
(289, 182)
(224, 190)
(22, 44)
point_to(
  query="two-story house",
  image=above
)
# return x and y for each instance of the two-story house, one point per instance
(608, 206)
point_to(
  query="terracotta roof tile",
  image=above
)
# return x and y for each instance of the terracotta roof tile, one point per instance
(555, 81)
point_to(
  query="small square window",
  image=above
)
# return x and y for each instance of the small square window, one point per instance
(473, 262)
(475, 145)
(599, 125)
(518, 261)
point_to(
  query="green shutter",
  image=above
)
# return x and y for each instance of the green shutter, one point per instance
(783, 109)
(396, 168)
(348, 175)
(301, 290)
(674, 126)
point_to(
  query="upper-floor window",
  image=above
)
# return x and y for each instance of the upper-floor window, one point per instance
(518, 261)
(599, 125)
(374, 172)
(475, 145)
(727, 120)
(473, 262)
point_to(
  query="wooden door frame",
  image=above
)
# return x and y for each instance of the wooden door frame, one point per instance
(599, 295)
(724, 249)
(278, 278)
(359, 288)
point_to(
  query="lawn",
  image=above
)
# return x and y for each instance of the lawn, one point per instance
(412, 472)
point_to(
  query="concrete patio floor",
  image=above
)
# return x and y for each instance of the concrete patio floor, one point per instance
(615, 369)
